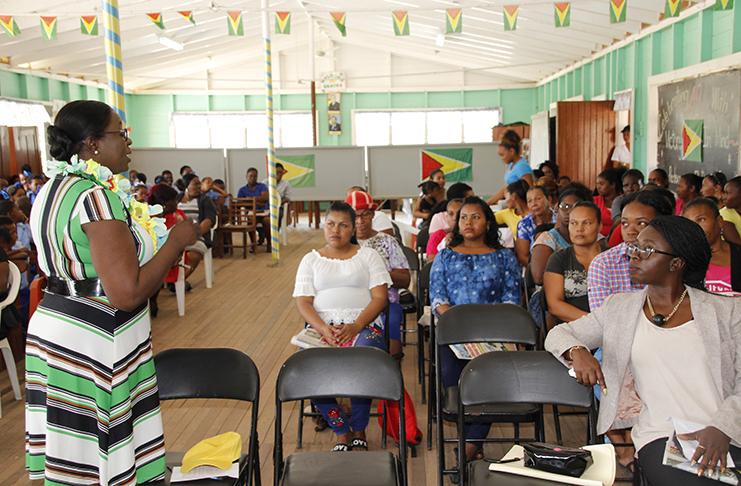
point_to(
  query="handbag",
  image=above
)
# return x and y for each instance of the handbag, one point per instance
(557, 459)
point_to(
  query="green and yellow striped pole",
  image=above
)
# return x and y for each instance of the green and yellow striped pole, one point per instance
(114, 67)
(273, 191)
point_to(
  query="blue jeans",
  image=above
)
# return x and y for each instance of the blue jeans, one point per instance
(396, 314)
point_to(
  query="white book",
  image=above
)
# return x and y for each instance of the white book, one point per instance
(311, 338)
(204, 472)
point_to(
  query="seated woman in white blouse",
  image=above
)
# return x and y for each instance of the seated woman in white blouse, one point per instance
(340, 291)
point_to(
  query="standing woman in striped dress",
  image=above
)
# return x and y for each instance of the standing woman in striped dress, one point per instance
(92, 407)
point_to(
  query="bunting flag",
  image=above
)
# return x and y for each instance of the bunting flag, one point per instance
(692, 140)
(282, 22)
(299, 169)
(49, 28)
(723, 4)
(456, 163)
(339, 20)
(618, 11)
(401, 22)
(510, 17)
(453, 21)
(9, 25)
(89, 25)
(157, 19)
(563, 14)
(673, 8)
(188, 14)
(234, 20)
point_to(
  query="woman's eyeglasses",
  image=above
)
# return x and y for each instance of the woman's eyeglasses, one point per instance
(644, 252)
(124, 132)
(565, 206)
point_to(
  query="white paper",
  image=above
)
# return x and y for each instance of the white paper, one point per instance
(204, 472)
(682, 426)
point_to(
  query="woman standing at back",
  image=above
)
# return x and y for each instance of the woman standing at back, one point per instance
(517, 166)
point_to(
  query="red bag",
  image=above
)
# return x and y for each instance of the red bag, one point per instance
(414, 435)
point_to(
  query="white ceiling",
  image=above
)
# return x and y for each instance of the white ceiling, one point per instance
(373, 58)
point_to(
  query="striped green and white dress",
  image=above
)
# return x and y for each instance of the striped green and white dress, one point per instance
(92, 406)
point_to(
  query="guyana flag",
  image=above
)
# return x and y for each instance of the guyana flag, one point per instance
(282, 22)
(299, 169)
(618, 11)
(9, 25)
(339, 20)
(453, 21)
(188, 15)
(157, 19)
(673, 8)
(49, 28)
(510, 17)
(89, 25)
(456, 163)
(723, 4)
(692, 140)
(234, 21)
(562, 14)
(401, 22)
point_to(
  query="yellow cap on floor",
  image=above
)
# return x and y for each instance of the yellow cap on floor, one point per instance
(219, 451)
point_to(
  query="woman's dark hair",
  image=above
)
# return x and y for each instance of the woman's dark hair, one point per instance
(718, 179)
(166, 172)
(567, 178)
(142, 177)
(542, 189)
(491, 237)
(537, 174)
(649, 198)
(519, 188)
(457, 190)
(662, 173)
(187, 178)
(511, 140)
(705, 202)
(186, 167)
(13, 179)
(592, 206)
(736, 181)
(75, 122)
(428, 187)
(635, 173)
(688, 241)
(551, 165)
(583, 193)
(612, 176)
(662, 191)
(161, 193)
(434, 173)
(693, 180)
(5, 236)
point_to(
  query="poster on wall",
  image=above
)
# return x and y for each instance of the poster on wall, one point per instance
(334, 123)
(333, 102)
(332, 82)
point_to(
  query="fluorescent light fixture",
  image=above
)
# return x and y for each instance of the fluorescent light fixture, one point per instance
(167, 42)
(440, 39)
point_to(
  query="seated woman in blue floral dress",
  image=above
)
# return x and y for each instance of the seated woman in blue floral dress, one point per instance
(475, 269)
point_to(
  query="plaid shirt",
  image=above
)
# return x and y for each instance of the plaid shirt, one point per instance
(607, 275)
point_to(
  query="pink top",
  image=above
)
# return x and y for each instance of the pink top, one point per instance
(718, 281)
(679, 203)
(606, 215)
(434, 241)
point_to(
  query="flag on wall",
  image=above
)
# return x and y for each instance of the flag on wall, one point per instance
(510, 17)
(188, 14)
(9, 25)
(234, 20)
(618, 11)
(723, 4)
(692, 140)
(299, 169)
(282, 22)
(453, 21)
(673, 8)
(49, 28)
(563, 14)
(339, 20)
(456, 163)
(89, 25)
(401, 22)
(157, 19)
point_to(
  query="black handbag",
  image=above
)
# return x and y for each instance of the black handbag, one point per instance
(557, 459)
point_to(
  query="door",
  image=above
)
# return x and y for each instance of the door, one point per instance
(27, 150)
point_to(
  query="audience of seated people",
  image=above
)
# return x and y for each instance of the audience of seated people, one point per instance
(440, 238)
(200, 208)
(540, 213)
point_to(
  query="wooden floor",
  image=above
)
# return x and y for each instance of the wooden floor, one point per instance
(250, 308)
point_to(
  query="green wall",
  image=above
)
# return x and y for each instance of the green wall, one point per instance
(29, 87)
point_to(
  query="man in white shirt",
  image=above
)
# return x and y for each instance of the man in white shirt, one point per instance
(621, 155)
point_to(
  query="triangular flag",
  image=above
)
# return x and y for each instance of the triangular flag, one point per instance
(673, 8)
(455, 163)
(234, 20)
(453, 21)
(188, 14)
(49, 28)
(510, 17)
(89, 25)
(563, 14)
(282, 22)
(9, 25)
(723, 4)
(401, 22)
(618, 11)
(339, 20)
(299, 169)
(157, 19)
(692, 140)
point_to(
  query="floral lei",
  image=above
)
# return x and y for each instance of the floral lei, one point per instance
(101, 175)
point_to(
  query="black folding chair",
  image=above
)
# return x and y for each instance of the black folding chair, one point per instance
(423, 236)
(212, 373)
(340, 372)
(407, 299)
(482, 323)
(516, 377)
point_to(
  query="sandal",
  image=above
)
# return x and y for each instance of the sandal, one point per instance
(359, 444)
(628, 469)
(340, 448)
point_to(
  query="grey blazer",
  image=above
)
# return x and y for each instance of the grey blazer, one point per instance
(613, 326)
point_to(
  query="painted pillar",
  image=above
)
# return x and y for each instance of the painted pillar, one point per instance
(114, 67)
(274, 199)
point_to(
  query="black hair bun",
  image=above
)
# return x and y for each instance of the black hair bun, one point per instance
(60, 145)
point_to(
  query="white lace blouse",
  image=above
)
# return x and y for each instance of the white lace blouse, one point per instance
(341, 288)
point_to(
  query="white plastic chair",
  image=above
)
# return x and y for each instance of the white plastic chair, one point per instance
(14, 282)
(208, 259)
(180, 286)
(284, 224)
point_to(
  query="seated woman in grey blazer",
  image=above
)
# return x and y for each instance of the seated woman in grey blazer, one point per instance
(682, 344)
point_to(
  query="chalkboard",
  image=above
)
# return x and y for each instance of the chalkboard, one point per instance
(714, 99)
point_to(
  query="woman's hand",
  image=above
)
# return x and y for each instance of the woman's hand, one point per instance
(184, 234)
(587, 368)
(346, 333)
(713, 448)
(328, 332)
